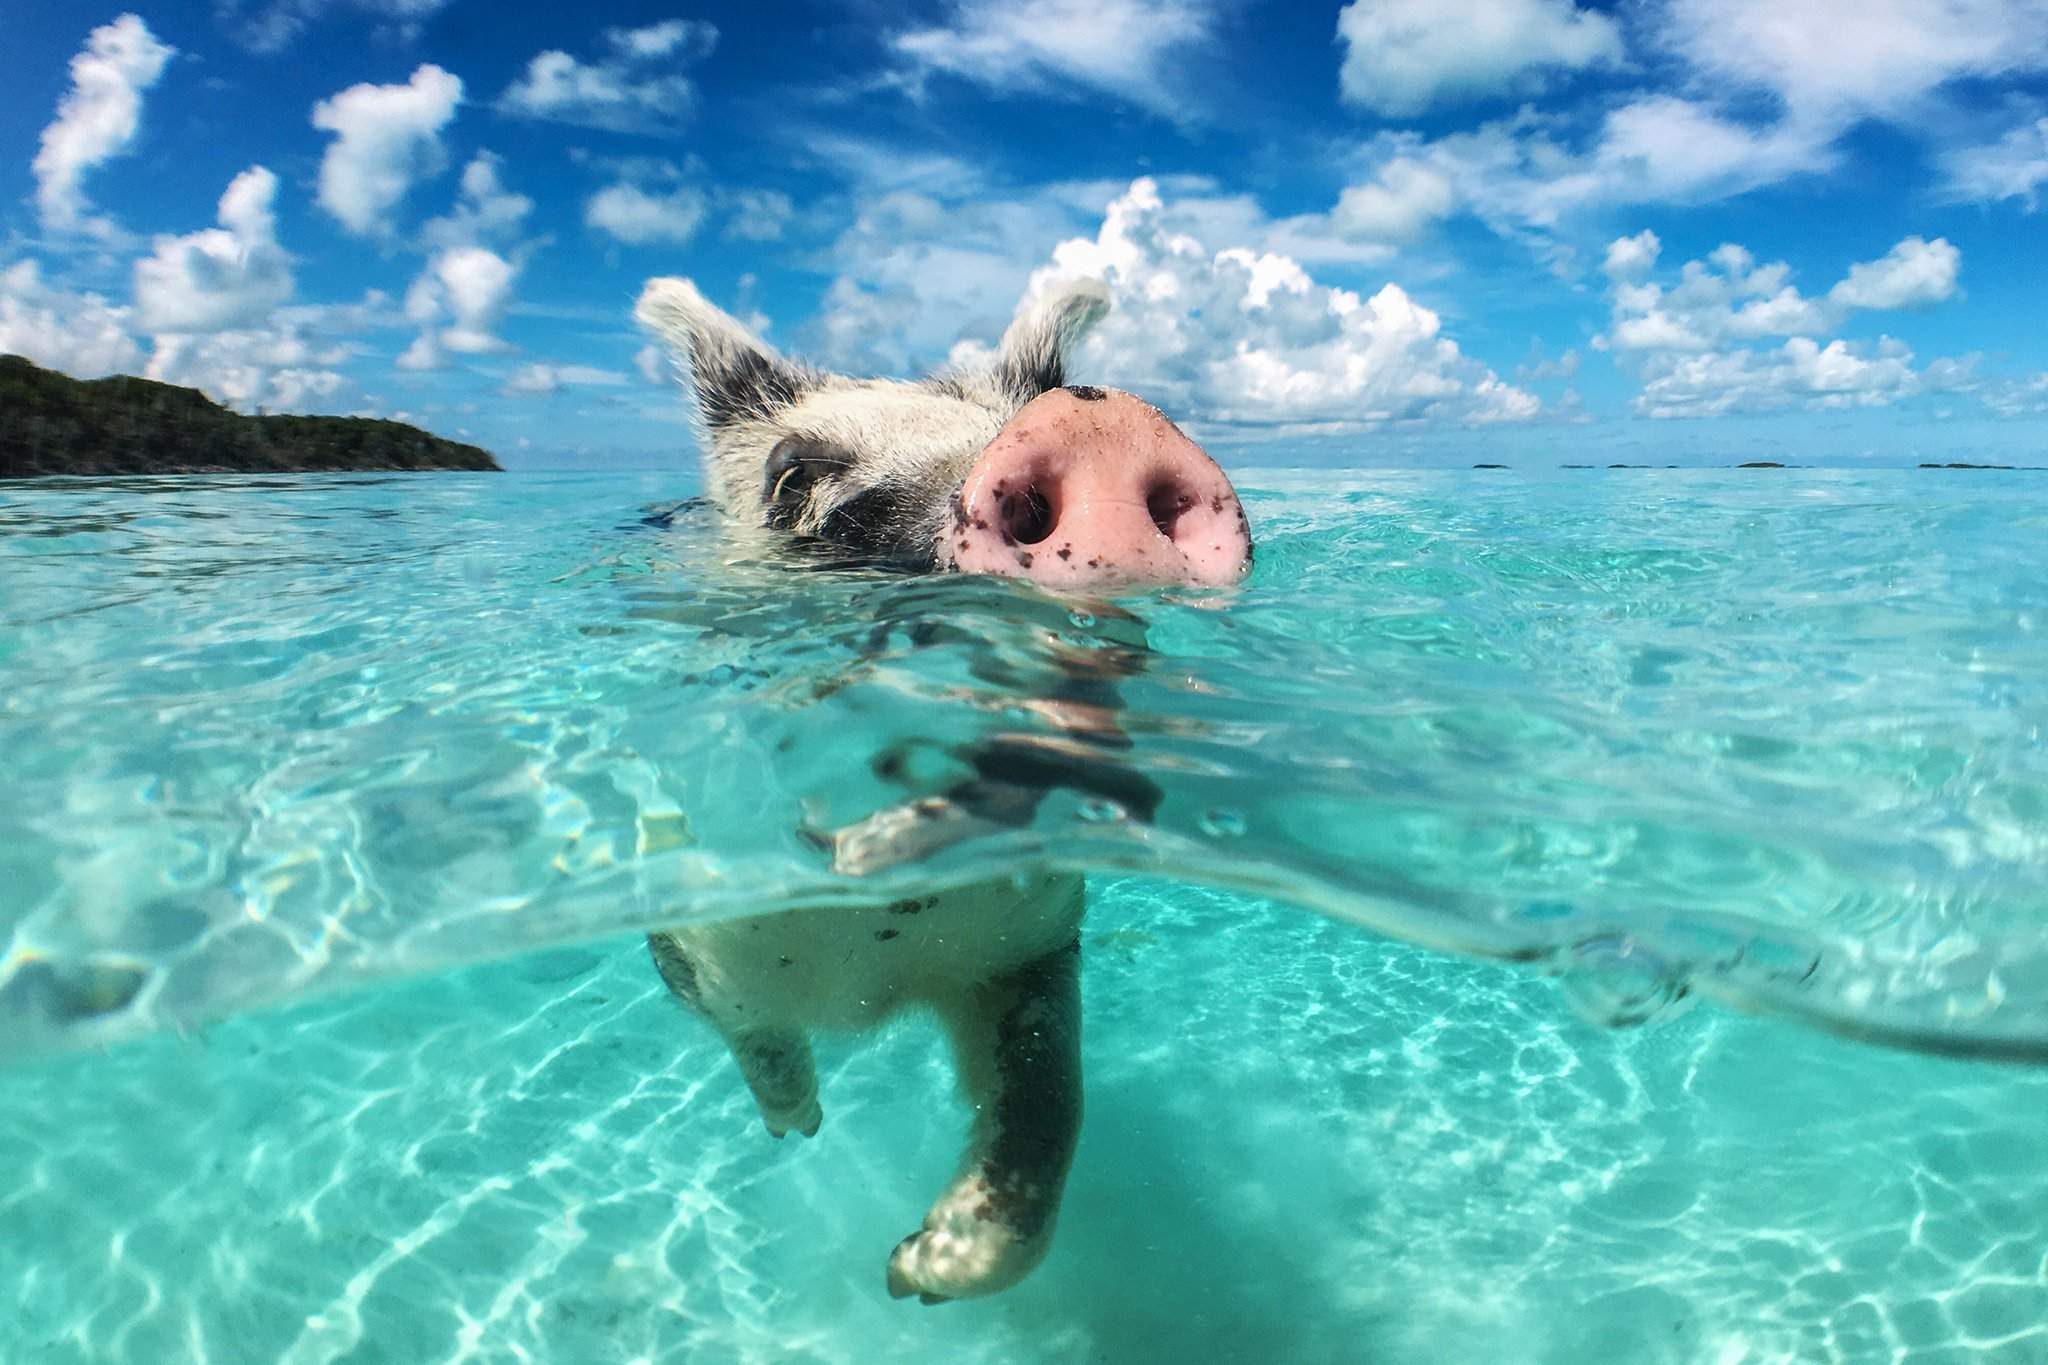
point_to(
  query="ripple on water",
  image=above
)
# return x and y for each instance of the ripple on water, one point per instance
(1779, 740)
(1304, 1143)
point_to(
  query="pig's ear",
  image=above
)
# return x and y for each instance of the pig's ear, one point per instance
(1033, 355)
(735, 375)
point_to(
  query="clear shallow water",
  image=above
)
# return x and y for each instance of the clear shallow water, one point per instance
(1772, 737)
(1304, 1144)
(1769, 736)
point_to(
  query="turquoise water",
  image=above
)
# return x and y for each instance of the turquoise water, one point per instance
(406, 760)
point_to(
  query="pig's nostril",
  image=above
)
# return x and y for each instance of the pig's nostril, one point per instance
(1166, 503)
(1027, 515)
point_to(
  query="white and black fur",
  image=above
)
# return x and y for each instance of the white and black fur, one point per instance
(868, 466)
(872, 467)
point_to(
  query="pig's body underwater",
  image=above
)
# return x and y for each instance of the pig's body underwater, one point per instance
(1002, 470)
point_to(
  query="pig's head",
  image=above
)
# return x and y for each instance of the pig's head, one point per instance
(1002, 469)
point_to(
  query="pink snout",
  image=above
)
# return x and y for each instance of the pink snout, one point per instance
(1092, 487)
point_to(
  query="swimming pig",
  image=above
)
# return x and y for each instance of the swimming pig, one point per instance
(1001, 469)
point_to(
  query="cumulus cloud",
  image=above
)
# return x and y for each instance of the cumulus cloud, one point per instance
(2014, 167)
(1247, 337)
(1121, 48)
(458, 300)
(1403, 56)
(1693, 342)
(283, 364)
(541, 378)
(625, 91)
(1402, 199)
(220, 278)
(1801, 373)
(476, 254)
(96, 120)
(485, 211)
(385, 138)
(79, 334)
(1628, 257)
(636, 216)
(1729, 296)
(1913, 274)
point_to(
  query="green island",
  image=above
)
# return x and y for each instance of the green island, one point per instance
(51, 423)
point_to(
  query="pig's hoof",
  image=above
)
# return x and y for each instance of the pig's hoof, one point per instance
(902, 834)
(804, 1119)
(959, 1260)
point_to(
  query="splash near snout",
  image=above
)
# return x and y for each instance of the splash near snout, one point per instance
(1094, 488)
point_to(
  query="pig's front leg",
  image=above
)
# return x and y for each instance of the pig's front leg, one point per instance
(777, 1065)
(1017, 1044)
(775, 1061)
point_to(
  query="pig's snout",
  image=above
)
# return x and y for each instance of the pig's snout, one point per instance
(1092, 487)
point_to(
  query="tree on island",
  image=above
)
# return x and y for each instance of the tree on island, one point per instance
(53, 424)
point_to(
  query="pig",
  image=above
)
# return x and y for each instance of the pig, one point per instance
(1000, 469)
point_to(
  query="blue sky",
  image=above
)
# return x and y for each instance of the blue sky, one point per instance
(1390, 232)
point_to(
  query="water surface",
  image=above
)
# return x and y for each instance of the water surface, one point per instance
(1769, 736)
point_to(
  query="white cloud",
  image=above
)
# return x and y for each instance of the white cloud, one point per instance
(1246, 337)
(285, 364)
(917, 274)
(1801, 372)
(1691, 342)
(1830, 64)
(1662, 148)
(2026, 397)
(275, 25)
(1536, 171)
(1121, 48)
(669, 38)
(758, 215)
(1403, 56)
(1820, 69)
(1628, 257)
(386, 137)
(1728, 297)
(79, 334)
(2014, 167)
(624, 92)
(458, 300)
(541, 378)
(221, 278)
(96, 120)
(876, 165)
(1913, 274)
(653, 364)
(1403, 198)
(485, 210)
(631, 214)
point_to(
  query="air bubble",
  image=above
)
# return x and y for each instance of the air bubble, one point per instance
(1097, 811)
(1613, 981)
(1222, 822)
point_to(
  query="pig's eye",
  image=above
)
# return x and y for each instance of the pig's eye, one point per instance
(795, 466)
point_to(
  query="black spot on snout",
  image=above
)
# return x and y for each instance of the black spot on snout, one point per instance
(1087, 393)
